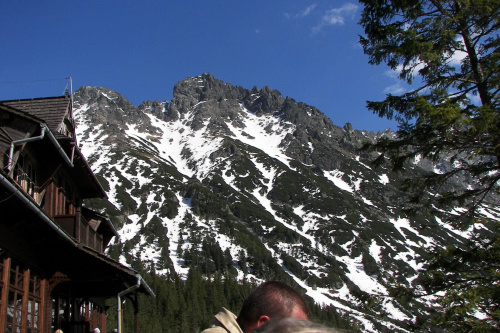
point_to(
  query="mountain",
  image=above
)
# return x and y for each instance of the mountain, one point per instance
(256, 186)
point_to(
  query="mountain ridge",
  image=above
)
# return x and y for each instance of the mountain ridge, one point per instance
(270, 185)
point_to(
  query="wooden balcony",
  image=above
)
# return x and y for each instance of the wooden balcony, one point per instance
(80, 229)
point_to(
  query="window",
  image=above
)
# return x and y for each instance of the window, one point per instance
(34, 305)
(25, 175)
(15, 300)
(23, 299)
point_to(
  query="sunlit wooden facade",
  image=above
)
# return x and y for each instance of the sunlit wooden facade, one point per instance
(53, 270)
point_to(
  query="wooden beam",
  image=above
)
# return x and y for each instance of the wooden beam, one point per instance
(45, 307)
(5, 293)
(26, 290)
(78, 222)
(103, 322)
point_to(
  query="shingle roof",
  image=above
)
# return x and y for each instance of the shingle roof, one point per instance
(52, 109)
(8, 109)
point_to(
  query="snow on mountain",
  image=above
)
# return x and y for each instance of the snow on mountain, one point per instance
(272, 184)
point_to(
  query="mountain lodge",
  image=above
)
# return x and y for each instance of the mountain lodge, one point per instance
(53, 270)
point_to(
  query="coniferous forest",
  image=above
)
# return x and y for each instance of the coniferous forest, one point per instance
(190, 305)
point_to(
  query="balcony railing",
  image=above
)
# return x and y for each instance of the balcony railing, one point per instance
(82, 231)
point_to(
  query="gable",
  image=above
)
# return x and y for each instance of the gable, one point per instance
(53, 110)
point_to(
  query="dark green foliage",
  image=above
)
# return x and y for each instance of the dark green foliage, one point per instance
(247, 176)
(289, 189)
(367, 302)
(128, 205)
(142, 210)
(102, 205)
(334, 275)
(261, 263)
(125, 182)
(369, 264)
(286, 213)
(329, 316)
(104, 183)
(440, 119)
(204, 203)
(470, 277)
(169, 205)
(208, 258)
(452, 116)
(114, 251)
(294, 266)
(240, 206)
(189, 306)
(155, 232)
(250, 213)
(281, 233)
(242, 262)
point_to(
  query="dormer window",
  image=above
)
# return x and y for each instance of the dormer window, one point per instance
(25, 174)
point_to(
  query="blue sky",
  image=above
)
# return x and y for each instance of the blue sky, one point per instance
(308, 50)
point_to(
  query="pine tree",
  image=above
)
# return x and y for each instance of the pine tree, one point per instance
(471, 284)
(441, 117)
(453, 114)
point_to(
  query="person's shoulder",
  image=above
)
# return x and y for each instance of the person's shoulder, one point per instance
(215, 329)
(225, 322)
(225, 313)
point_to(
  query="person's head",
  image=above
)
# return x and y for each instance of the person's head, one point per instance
(271, 300)
(292, 325)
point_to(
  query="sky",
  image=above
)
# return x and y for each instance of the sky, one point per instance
(307, 50)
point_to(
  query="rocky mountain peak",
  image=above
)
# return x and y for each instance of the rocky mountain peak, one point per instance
(191, 91)
(206, 87)
(205, 100)
(104, 97)
(109, 109)
(266, 100)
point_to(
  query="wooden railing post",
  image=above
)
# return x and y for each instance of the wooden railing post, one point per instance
(78, 219)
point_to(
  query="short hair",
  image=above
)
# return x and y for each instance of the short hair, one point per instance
(292, 325)
(273, 299)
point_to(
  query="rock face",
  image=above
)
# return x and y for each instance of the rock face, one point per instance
(272, 183)
(218, 101)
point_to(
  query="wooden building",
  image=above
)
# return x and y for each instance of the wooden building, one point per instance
(53, 270)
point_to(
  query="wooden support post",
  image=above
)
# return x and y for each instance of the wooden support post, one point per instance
(87, 311)
(45, 307)
(78, 221)
(5, 294)
(103, 322)
(26, 290)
